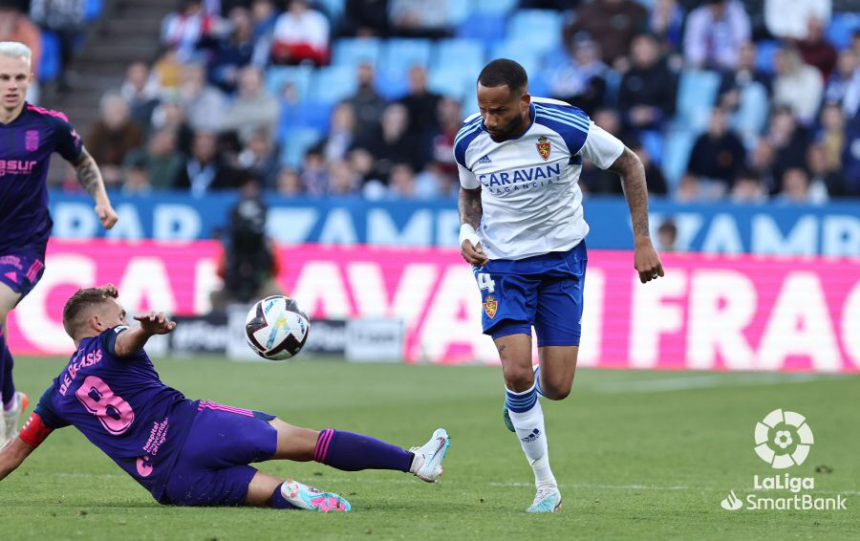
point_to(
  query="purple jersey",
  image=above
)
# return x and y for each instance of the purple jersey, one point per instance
(122, 407)
(26, 145)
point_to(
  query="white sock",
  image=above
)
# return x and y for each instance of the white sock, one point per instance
(529, 425)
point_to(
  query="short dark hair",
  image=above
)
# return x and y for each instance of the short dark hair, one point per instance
(503, 71)
(77, 305)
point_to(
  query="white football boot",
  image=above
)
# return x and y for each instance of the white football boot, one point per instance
(547, 500)
(427, 464)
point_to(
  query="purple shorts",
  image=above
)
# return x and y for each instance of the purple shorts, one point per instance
(212, 468)
(22, 268)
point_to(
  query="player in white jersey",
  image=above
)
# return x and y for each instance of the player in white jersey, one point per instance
(523, 232)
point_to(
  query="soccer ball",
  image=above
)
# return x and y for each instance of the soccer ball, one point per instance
(276, 328)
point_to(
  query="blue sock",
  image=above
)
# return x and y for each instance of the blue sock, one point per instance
(537, 382)
(521, 402)
(354, 452)
(278, 501)
(7, 385)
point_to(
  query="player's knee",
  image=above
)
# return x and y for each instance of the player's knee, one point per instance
(519, 378)
(558, 391)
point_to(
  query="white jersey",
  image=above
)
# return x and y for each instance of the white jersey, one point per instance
(530, 185)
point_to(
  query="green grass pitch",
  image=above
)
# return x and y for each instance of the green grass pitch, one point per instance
(639, 455)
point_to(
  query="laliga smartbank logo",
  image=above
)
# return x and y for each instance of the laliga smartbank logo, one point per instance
(783, 439)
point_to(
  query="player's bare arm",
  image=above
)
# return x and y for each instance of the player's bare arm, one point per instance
(90, 177)
(470, 220)
(134, 340)
(632, 172)
(13, 455)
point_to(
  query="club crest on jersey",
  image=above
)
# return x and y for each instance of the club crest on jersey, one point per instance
(31, 140)
(490, 306)
(544, 147)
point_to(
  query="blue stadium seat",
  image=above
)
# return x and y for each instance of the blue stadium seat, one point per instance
(391, 84)
(676, 154)
(400, 54)
(841, 28)
(333, 83)
(488, 28)
(296, 143)
(495, 7)
(697, 93)
(459, 11)
(279, 76)
(751, 117)
(453, 82)
(765, 55)
(333, 8)
(351, 52)
(49, 66)
(461, 54)
(541, 29)
(93, 10)
(521, 51)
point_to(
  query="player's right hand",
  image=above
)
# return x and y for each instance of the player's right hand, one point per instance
(155, 323)
(473, 254)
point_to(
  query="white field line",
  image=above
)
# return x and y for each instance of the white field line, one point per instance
(709, 381)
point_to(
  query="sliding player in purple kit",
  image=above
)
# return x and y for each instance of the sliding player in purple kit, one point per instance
(188, 452)
(28, 137)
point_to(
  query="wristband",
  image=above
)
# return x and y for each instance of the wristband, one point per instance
(467, 232)
(34, 431)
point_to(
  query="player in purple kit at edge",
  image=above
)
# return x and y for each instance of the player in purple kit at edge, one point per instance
(188, 452)
(28, 137)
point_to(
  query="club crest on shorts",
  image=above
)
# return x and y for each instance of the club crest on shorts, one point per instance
(544, 147)
(490, 306)
(31, 140)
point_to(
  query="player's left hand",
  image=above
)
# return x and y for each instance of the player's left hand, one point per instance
(107, 215)
(646, 261)
(155, 323)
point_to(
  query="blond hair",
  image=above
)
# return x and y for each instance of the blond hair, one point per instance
(14, 49)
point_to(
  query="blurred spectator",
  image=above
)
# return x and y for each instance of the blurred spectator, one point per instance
(259, 159)
(113, 136)
(136, 179)
(441, 144)
(366, 18)
(820, 173)
(391, 143)
(204, 104)
(647, 94)
(204, 170)
(419, 18)
(434, 182)
(667, 236)
(718, 153)
(612, 23)
(581, 78)
(254, 108)
(761, 162)
(65, 18)
(343, 180)
(170, 114)
(340, 138)
(314, 174)
(851, 158)
(797, 85)
(186, 27)
(15, 26)
(715, 31)
(289, 183)
(789, 18)
(609, 120)
(264, 16)
(301, 34)
(815, 50)
(367, 103)
(159, 159)
(140, 91)
(832, 135)
(789, 142)
(735, 81)
(402, 182)
(653, 176)
(843, 87)
(421, 104)
(689, 189)
(667, 21)
(166, 70)
(748, 188)
(233, 52)
(797, 189)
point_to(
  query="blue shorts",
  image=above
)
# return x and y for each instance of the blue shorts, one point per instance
(212, 468)
(544, 292)
(22, 268)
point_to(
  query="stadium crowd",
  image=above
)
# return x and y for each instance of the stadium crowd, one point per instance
(720, 98)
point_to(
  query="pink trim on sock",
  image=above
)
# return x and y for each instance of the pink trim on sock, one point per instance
(321, 448)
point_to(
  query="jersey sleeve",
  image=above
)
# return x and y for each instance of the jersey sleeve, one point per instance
(68, 143)
(601, 147)
(467, 178)
(108, 342)
(45, 409)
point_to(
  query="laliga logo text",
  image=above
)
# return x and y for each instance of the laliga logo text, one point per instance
(783, 439)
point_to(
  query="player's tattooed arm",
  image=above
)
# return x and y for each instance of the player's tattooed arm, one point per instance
(471, 209)
(632, 172)
(87, 171)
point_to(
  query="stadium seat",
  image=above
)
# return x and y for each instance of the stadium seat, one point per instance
(296, 143)
(652, 141)
(279, 76)
(93, 10)
(351, 52)
(49, 66)
(541, 29)
(459, 11)
(697, 93)
(333, 8)
(521, 51)
(400, 54)
(452, 82)
(307, 114)
(333, 83)
(765, 55)
(494, 7)
(750, 118)
(676, 155)
(391, 84)
(487, 28)
(842, 26)
(460, 54)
